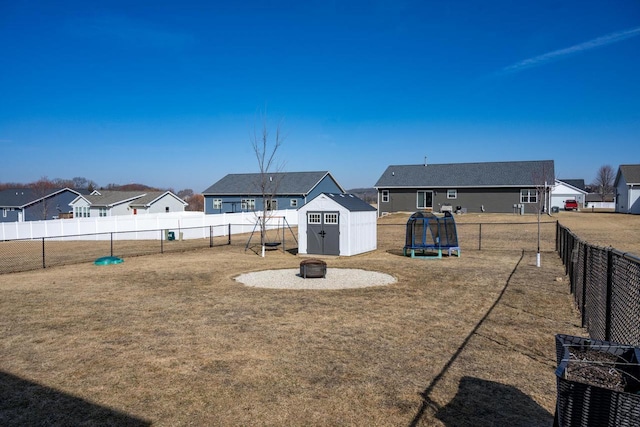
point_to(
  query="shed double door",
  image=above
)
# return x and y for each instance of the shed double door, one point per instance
(323, 233)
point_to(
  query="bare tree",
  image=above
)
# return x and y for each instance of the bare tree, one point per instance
(196, 203)
(265, 146)
(41, 189)
(604, 181)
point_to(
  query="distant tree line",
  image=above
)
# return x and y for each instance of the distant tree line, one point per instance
(44, 185)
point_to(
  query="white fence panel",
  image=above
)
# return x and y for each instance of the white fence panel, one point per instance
(138, 227)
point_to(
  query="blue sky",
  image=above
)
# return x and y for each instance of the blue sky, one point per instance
(167, 93)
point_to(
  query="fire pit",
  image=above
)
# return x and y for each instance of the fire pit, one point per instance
(313, 268)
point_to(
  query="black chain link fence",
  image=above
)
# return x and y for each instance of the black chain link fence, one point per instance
(518, 236)
(605, 283)
(24, 255)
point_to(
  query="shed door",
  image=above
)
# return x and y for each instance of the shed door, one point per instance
(323, 233)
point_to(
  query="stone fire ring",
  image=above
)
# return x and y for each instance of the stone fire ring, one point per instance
(336, 278)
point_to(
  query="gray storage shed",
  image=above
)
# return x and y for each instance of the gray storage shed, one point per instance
(337, 224)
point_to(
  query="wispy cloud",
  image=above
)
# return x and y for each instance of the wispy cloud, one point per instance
(559, 54)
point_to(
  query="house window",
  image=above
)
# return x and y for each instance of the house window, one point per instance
(385, 196)
(452, 194)
(248, 204)
(272, 205)
(102, 212)
(293, 203)
(166, 209)
(529, 196)
(4, 213)
(313, 218)
(217, 203)
(425, 200)
(331, 218)
(81, 212)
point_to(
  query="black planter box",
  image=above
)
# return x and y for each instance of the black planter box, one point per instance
(582, 404)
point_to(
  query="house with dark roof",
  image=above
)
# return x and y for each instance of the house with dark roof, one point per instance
(30, 204)
(627, 186)
(471, 187)
(103, 203)
(283, 190)
(568, 189)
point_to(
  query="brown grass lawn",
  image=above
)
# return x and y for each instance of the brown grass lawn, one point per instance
(171, 339)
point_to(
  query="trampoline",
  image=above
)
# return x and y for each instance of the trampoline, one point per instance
(428, 235)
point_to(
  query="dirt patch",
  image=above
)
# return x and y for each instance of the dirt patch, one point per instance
(595, 368)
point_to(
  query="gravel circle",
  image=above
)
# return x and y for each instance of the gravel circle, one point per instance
(336, 278)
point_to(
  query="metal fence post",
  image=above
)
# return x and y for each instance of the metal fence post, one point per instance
(229, 234)
(584, 283)
(607, 324)
(43, 261)
(211, 236)
(111, 244)
(161, 241)
(480, 237)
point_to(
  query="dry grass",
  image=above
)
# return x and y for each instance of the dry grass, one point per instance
(172, 339)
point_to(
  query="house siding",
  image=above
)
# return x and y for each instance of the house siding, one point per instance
(160, 205)
(10, 214)
(232, 203)
(326, 185)
(622, 196)
(494, 200)
(54, 206)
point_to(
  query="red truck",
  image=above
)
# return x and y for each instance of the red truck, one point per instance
(570, 205)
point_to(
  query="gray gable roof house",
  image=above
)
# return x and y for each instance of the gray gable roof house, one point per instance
(470, 187)
(29, 204)
(111, 202)
(627, 186)
(287, 190)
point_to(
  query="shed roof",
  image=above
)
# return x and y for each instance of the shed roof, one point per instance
(284, 183)
(476, 175)
(350, 202)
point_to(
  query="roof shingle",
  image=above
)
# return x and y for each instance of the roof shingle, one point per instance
(286, 183)
(490, 174)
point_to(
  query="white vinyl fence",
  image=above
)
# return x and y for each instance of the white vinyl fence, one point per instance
(185, 225)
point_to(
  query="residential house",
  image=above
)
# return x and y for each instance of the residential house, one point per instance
(472, 187)
(29, 204)
(568, 189)
(284, 190)
(627, 187)
(102, 203)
